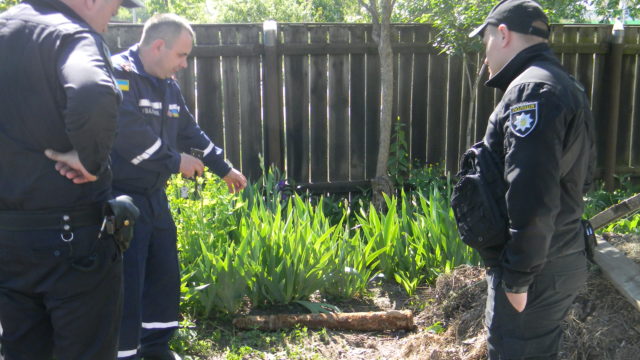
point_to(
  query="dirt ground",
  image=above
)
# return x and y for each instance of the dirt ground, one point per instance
(601, 324)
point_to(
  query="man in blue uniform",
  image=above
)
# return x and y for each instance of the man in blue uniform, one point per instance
(156, 134)
(543, 131)
(60, 283)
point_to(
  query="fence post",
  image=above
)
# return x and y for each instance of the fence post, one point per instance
(272, 98)
(617, 50)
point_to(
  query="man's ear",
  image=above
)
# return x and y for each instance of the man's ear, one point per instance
(157, 45)
(504, 34)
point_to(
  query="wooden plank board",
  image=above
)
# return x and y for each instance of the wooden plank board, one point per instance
(615, 212)
(339, 154)
(436, 108)
(453, 121)
(623, 273)
(296, 78)
(318, 99)
(372, 109)
(403, 90)
(187, 80)
(419, 100)
(209, 99)
(231, 100)
(625, 119)
(250, 106)
(358, 114)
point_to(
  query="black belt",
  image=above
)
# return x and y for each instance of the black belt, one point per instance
(65, 220)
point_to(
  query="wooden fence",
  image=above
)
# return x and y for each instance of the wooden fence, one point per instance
(306, 99)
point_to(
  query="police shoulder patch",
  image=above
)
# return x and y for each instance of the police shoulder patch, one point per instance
(523, 118)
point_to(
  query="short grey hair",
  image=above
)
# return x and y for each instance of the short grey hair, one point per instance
(166, 27)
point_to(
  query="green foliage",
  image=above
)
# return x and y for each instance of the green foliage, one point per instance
(608, 10)
(436, 328)
(398, 164)
(627, 225)
(419, 236)
(5, 4)
(292, 247)
(600, 199)
(240, 11)
(454, 19)
(272, 246)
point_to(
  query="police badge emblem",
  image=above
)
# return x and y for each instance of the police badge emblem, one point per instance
(523, 118)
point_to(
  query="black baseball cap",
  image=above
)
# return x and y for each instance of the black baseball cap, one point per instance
(132, 3)
(518, 15)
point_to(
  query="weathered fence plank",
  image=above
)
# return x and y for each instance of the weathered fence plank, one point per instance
(453, 120)
(419, 96)
(372, 109)
(250, 105)
(231, 95)
(209, 88)
(403, 88)
(358, 123)
(339, 154)
(318, 107)
(296, 75)
(325, 98)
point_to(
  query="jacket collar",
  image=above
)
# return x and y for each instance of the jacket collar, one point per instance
(133, 57)
(520, 62)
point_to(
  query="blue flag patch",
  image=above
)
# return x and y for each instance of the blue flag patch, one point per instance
(523, 118)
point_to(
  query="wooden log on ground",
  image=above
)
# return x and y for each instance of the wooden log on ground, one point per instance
(361, 321)
(623, 273)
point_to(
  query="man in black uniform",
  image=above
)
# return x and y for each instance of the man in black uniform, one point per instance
(543, 130)
(60, 284)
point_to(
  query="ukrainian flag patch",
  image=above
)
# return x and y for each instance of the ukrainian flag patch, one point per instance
(174, 111)
(123, 85)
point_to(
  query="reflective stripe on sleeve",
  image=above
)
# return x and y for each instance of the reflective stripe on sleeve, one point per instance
(127, 353)
(208, 149)
(159, 325)
(147, 153)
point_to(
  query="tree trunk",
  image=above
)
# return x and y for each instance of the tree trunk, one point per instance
(362, 321)
(382, 182)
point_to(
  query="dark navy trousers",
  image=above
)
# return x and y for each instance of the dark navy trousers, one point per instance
(151, 279)
(534, 333)
(59, 299)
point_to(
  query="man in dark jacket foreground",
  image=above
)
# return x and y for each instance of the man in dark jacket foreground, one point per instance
(60, 284)
(543, 131)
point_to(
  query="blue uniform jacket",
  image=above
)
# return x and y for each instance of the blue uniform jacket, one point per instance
(154, 127)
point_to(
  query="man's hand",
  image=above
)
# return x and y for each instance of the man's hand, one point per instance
(190, 166)
(518, 301)
(235, 181)
(68, 165)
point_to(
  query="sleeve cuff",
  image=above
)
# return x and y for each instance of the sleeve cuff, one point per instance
(514, 289)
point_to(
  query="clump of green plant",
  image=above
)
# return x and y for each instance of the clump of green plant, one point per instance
(274, 246)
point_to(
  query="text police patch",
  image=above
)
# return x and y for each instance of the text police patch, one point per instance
(523, 118)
